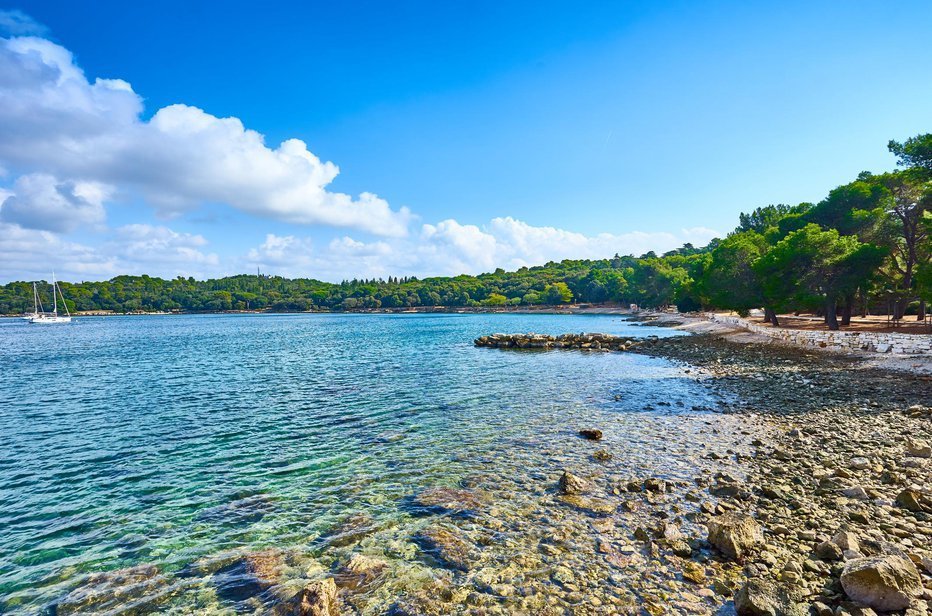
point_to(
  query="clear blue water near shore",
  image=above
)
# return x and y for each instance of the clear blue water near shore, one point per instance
(165, 440)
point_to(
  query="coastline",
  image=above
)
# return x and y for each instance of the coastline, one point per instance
(700, 326)
(564, 309)
(816, 449)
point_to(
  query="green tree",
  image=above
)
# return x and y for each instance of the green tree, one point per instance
(495, 299)
(557, 293)
(812, 268)
(730, 281)
(915, 152)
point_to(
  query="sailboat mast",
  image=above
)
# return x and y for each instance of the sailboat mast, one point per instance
(63, 302)
(35, 299)
(54, 296)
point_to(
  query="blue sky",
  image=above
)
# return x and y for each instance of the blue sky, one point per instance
(492, 135)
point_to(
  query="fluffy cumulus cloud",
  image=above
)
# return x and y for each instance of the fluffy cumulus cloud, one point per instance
(282, 253)
(146, 248)
(40, 201)
(31, 254)
(450, 248)
(56, 122)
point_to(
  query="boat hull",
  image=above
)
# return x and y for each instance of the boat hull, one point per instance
(49, 320)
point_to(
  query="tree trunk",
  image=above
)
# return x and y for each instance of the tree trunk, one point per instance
(922, 311)
(846, 310)
(771, 317)
(899, 309)
(831, 319)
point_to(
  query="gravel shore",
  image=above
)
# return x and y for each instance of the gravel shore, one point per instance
(838, 481)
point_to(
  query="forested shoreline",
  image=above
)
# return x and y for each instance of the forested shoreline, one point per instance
(866, 247)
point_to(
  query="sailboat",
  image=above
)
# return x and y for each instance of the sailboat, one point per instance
(45, 318)
(37, 305)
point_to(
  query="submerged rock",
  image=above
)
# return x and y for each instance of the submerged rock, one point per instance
(601, 455)
(446, 545)
(316, 599)
(592, 506)
(360, 570)
(447, 500)
(249, 575)
(240, 511)
(103, 592)
(884, 582)
(735, 535)
(352, 529)
(591, 434)
(426, 601)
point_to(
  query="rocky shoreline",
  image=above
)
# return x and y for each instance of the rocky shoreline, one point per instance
(837, 490)
(584, 342)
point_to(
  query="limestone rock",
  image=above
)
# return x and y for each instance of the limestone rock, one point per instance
(828, 550)
(735, 534)
(316, 599)
(763, 598)
(847, 541)
(918, 449)
(571, 484)
(855, 492)
(913, 501)
(694, 572)
(652, 484)
(592, 506)
(885, 583)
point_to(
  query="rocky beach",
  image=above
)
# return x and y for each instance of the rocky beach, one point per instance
(837, 486)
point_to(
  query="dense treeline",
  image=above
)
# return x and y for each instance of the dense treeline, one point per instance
(865, 247)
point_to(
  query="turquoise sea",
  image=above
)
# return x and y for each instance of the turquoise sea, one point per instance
(163, 448)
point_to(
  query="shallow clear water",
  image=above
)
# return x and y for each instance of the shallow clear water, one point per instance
(168, 440)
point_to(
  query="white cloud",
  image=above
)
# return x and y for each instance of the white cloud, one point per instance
(30, 254)
(54, 121)
(16, 23)
(282, 253)
(146, 248)
(39, 201)
(451, 248)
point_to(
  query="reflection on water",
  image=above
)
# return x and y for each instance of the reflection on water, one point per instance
(216, 463)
